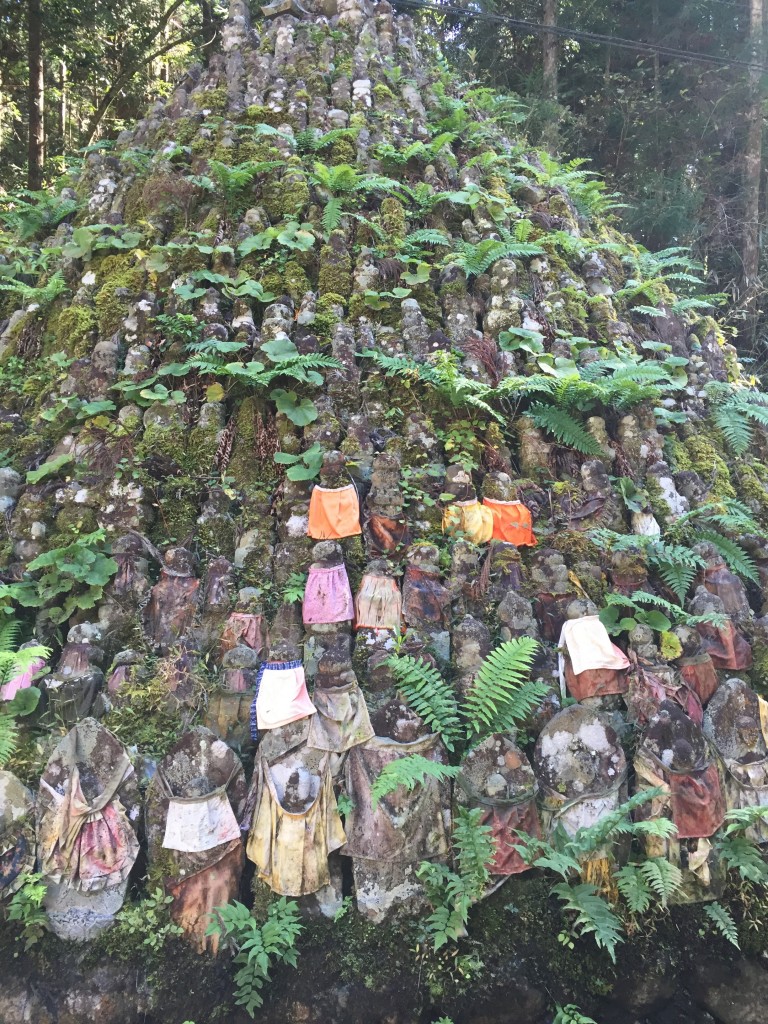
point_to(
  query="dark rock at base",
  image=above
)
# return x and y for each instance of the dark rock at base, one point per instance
(735, 993)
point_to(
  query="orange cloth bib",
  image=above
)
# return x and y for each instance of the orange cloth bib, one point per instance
(334, 512)
(512, 522)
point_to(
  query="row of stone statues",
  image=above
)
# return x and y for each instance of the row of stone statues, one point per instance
(85, 825)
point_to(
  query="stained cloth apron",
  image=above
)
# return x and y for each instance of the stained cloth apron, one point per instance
(379, 604)
(290, 850)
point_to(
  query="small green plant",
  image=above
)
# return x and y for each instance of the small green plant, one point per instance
(26, 907)
(27, 213)
(304, 466)
(476, 259)
(735, 844)
(231, 185)
(291, 235)
(93, 238)
(429, 695)
(453, 892)
(409, 772)
(623, 613)
(676, 564)
(499, 699)
(149, 922)
(14, 662)
(735, 409)
(723, 922)
(343, 187)
(294, 587)
(590, 912)
(77, 572)
(570, 1014)
(257, 947)
(501, 696)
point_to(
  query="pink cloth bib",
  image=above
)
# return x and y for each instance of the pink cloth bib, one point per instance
(327, 596)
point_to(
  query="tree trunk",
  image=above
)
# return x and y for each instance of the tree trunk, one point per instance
(753, 153)
(550, 60)
(36, 149)
(63, 105)
(550, 51)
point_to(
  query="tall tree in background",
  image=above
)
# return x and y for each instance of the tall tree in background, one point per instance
(680, 138)
(36, 130)
(550, 57)
(753, 158)
(72, 72)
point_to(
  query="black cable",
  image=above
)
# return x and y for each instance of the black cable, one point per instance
(538, 28)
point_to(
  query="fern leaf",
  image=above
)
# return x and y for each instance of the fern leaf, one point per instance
(610, 826)
(427, 236)
(429, 695)
(677, 565)
(410, 771)
(474, 847)
(500, 696)
(634, 888)
(723, 921)
(740, 854)
(733, 424)
(663, 878)
(593, 914)
(9, 635)
(332, 215)
(565, 428)
(733, 554)
(8, 737)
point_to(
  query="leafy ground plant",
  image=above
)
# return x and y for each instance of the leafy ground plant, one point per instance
(257, 947)
(26, 907)
(653, 881)
(149, 921)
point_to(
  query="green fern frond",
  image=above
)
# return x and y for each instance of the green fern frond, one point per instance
(476, 259)
(678, 577)
(537, 383)
(332, 213)
(474, 849)
(723, 921)
(501, 696)
(9, 732)
(733, 554)
(429, 695)
(410, 771)
(664, 878)
(634, 888)
(734, 425)
(9, 635)
(740, 854)
(614, 824)
(565, 428)
(593, 915)
(427, 236)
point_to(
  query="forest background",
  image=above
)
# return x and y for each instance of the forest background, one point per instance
(670, 109)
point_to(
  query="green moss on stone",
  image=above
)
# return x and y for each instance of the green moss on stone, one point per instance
(392, 217)
(212, 99)
(335, 272)
(326, 317)
(73, 330)
(116, 273)
(699, 454)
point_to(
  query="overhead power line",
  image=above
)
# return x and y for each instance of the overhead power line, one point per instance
(538, 28)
